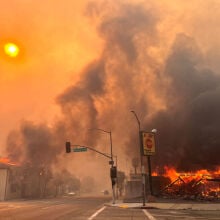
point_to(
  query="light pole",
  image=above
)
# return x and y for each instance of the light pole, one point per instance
(110, 162)
(116, 164)
(142, 167)
(149, 167)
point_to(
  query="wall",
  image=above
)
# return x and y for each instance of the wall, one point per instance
(3, 183)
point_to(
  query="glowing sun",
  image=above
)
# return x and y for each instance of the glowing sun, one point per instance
(11, 49)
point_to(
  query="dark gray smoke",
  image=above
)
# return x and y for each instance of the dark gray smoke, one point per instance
(189, 128)
(34, 144)
(78, 102)
(112, 81)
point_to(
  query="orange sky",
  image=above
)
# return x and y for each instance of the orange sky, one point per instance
(57, 40)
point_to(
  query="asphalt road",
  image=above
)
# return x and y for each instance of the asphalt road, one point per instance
(114, 213)
(66, 208)
(184, 214)
(91, 208)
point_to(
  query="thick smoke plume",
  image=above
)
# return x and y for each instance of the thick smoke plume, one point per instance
(189, 126)
(178, 96)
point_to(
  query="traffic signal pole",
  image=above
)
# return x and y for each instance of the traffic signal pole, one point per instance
(113, 169)
(113, 180)
(141, 158)
(113, 177)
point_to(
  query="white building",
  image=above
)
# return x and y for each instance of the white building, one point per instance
(10, 182)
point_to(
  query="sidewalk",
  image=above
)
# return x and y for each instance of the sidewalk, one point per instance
(168, 205)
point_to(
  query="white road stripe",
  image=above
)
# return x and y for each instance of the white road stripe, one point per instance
(96, 213)
(150, 217)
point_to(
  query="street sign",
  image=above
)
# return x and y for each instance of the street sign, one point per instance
(148, 143)
(80, 149)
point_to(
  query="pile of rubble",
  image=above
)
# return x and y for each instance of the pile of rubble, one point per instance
(190, 186)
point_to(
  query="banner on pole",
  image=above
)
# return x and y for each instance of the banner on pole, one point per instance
(148, 143)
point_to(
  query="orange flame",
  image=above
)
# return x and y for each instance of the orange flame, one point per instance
(173, 174)
(154, 173)
(7, 161)
(208, 179)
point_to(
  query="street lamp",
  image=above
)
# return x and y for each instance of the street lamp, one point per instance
(142, 168)
(111, 162)
(149, 167)
(154, 130)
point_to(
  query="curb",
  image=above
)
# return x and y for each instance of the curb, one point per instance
(168, 206)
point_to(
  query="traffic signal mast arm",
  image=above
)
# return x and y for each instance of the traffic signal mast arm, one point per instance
(99, 152)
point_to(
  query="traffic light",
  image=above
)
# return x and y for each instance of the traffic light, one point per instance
(113, 182)
(113, 172)
(68, 147)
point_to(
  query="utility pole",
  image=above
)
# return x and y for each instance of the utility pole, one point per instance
(141, 158)
(150, 175)
(81, 148)
(148, 146)
(113, 169)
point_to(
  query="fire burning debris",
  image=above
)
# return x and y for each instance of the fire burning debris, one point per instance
(178, 96)
(201, 184)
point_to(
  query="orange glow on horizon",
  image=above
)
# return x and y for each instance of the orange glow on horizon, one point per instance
(7, 161)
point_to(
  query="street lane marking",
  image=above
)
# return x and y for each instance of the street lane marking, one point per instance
(150, 217)
(96, 213)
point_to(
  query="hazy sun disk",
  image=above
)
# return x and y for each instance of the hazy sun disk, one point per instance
(11, 49)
